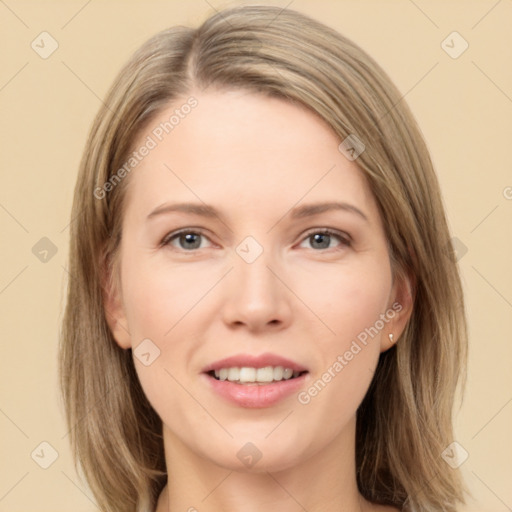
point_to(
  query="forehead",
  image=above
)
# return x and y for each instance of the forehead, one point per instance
(246, 150)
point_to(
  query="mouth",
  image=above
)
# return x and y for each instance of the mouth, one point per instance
(255, 381)
(247, 375)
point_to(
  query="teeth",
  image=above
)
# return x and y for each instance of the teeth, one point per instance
(265, 374)
(278, 373)
(261, 375)
(247, 375)
(232, 373)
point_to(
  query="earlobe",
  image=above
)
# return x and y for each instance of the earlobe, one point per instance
(117, 326)
(402, 305)
(114, 309)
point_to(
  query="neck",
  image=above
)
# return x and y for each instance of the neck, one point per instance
(325, 482)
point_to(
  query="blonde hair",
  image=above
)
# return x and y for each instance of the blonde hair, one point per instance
(405, 421)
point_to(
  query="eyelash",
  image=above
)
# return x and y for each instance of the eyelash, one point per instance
(344, 239)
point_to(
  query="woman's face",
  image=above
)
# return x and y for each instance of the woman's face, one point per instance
(251, 183)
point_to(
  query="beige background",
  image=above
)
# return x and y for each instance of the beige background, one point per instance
(463, 105)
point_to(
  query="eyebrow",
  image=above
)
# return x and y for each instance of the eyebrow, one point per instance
(308, 210)
(299, 212)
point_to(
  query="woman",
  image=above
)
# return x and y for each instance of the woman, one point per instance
(262, 311)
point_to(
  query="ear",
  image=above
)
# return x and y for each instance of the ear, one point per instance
(399, 310)
(113, 304)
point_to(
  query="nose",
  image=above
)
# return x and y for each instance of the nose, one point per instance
(256, 297)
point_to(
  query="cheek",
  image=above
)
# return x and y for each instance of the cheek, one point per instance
(350, 303)
(158, 296)
(165, 304)
(348, 300)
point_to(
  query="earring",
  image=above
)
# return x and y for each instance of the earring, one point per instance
(391, 339)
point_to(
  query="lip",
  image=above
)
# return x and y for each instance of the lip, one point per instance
(250, 361)
(255, 395)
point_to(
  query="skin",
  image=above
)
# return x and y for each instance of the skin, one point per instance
(254, 159)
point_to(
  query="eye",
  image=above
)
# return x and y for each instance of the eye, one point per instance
(186, 239)
(189, 240)
(321, 239)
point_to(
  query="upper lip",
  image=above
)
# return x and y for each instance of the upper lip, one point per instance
(252, 361)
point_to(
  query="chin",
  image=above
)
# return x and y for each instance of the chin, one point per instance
(255, 455)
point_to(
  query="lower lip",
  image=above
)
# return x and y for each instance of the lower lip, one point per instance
(255, 395)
